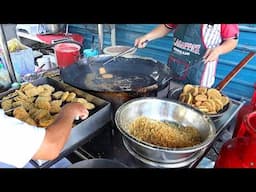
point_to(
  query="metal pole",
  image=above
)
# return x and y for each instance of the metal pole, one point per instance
(100, 37)
(6, 53)
(113, 34)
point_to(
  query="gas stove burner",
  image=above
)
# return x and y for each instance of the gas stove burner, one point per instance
(154, 164)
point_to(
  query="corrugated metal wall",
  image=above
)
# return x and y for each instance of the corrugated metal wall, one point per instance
(240, 87)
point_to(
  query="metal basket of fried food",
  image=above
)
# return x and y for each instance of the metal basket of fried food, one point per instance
(210, 101)
(39, 105)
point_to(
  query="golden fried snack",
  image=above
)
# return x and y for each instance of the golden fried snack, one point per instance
(213, 93)
(42, 103)
(20, 113)
(70, 97)
(102, 70)
(202, 90)
(224, 100)
(210, 101)
(17, 103)
(31, 92)
(80, 100)
(201, 98)
(89, 106)
(55, 106)
(187, 88)
(107, 76)
(57, 94)
(26, 86)
(29, 106)
(48, 88)
(46, 121)
(40, 114)
(64, 96)
(6, 104)
(45, 93)
(20, 95)
(30, 121)
(46, 98)
(33, 111)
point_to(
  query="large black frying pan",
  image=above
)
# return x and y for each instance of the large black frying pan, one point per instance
(129, 74)
(175, 93)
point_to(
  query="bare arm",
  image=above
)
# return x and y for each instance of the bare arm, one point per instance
(227, 46)
(160, 31)
(57, 133)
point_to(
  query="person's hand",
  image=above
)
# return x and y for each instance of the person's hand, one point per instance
(141, 42)
(75, 110)
(211, 55)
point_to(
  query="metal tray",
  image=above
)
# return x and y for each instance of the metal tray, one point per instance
(83, 130)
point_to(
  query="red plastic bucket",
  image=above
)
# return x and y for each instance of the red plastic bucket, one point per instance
(67, 54)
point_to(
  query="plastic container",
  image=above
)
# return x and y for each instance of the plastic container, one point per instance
(90, 52)
(239, 152)
(23, 61)
(67, 54)
(246, 109)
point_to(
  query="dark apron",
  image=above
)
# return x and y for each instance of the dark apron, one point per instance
(188, 49)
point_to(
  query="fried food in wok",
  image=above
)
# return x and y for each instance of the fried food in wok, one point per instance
(164, 134)
(209, 101)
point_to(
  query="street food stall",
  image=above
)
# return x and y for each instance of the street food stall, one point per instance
(110, 87)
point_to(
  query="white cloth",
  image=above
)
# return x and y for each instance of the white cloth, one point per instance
(19, 141)
(63, 163)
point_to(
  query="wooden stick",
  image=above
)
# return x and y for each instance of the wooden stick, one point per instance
(230, 76)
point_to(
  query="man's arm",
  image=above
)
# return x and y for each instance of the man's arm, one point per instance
(160, 31)
(229, 35)
(57, 133)
(227, 46)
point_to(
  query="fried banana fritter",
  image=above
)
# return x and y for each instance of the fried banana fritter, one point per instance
(6, 104)
(55, 106)
(40, 114)
(71, 96)
(42, 103)
(80, 100)
(20, 113)
(30, 121)
(57, 94)
(65, 96)
(46, 121)
(89, 105)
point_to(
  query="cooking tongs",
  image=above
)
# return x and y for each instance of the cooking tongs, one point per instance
(120, 54)
(134, 48)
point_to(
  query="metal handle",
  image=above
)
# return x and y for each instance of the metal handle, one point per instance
(230, 76)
